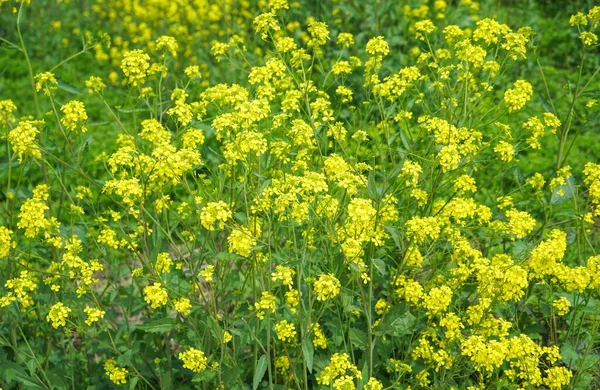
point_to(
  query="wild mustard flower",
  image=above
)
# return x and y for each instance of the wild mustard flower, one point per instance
(193, 359)
(135, 66)
(377, 46)
(214, 215)
(6, 241)
(516, 98)
(326, 287)
(339, 365)
(46, 82)
(183, 306)
(588, 38)
(155, 295)
(285, 331)
(23, 139)
(167, 44)
(32, 217)
(58, 315)
(561, 305)
(73, 115)
(266, 304)
(117, 375)
(93, 315)
(241, 241)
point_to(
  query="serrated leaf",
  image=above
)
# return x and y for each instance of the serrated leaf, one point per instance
(397, 321)
(308, 352)
(259, 371)
(569, 355)
(358, 338)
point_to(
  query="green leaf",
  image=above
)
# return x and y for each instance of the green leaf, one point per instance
(398, 320)
(133, 383)
(14, 372)
(259, 371)
(570, 356)
(358, 338)
(159, 326)
(567, 190)
(309, 353)
(68, 88)
(379, 265)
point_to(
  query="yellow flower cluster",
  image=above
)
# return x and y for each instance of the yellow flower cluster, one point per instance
(286, 331)
(6, 241)
(93, 315)
(155, 295)
(516, 98)
(339, 369)
(73, 115)
(193, 359)
(117, 375)
(58, 315)
(23, 139)
(326, 287)
(214, 215)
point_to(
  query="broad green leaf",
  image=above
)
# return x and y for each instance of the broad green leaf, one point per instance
(259, 371)
(309, 353)
(159, 326)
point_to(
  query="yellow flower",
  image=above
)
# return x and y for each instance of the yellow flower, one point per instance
(167, 44)
(557, 377)
(241, 241)
(183, 306)
(6, 241)
(93, 314)
(74, 115)
(23, 139)
(561, 305)
(286, 331)
(588, 38)
(326, 287)
(284, 274)
(215, 213)
(32, 217)
(46, 82)
(227, 337)
(520, 223)
(438, 300)
(155, 295)
(517, 97)
(318, 32)
(345, 39)
(135, 66)
(58, 315)
(117, 375)
(505, 150)
(424, 27)
(373, 384)
(207, 272)
(266, 304)
(339, 365)
(378, 46)
(194, 360)
(163, 263)
(95, 85)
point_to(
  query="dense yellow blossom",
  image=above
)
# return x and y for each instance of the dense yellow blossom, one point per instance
(193, 359)
(326, 287)
(58, 315)
(155, 295)
(117, 375)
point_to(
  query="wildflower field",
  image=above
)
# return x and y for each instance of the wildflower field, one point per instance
(279, 194)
